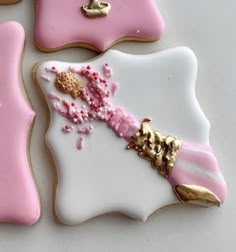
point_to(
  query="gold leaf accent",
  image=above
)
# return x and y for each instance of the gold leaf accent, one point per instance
(96, 9)
(67, 83)
(197, 195)
(160, 150)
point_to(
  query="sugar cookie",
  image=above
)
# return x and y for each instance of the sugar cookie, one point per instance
(95, 24)
(117, 93)
(19, 201)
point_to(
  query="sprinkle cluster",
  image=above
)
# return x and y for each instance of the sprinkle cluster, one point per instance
(96, 95)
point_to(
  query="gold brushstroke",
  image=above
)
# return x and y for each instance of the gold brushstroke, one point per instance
(160, 150)
(96, 9)
(67, 83)
(197, 195)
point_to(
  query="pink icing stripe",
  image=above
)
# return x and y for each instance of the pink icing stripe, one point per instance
(185, 175)
(201, 159)
(196, 146)
(125, 126)
(122, 124)
(180, 176)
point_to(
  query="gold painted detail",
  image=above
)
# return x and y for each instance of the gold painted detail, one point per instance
(160, 150)
(67, 83)
(96, 9)
(196, 195)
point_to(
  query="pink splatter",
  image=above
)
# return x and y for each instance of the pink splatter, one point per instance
(107, 71)
(72, 69)
(79, 143)
(52, 70)
(114, 87)
(53, 96)
(67, 129)
(45, 78)
(86, 130)
(96, 95)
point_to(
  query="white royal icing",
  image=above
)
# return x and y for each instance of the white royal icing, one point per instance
(104, 177)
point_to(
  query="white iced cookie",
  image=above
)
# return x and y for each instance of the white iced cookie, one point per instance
(92, 104)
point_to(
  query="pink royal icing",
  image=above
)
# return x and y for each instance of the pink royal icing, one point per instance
(63, 24)
(19, 202)
(107, 71)
(114, 87)
(197, 165)
(79, 143)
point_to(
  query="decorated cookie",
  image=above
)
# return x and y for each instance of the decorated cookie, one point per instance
(95, 24)
(9, 1)
(127, 135)
(19, 201)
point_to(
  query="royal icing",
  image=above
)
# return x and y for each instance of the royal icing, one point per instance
(96, 174)
(19, 201)
(64, 24)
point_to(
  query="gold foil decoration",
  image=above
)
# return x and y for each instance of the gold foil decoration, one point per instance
(96, 9)
(160, 150)
(67, 83)
(197, 195)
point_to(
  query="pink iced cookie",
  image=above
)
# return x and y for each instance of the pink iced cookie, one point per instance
(66, 24)
(19, 201)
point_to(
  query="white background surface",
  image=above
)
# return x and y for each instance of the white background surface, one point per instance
(206, 26)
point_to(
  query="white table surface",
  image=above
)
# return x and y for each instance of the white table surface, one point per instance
(206, 26)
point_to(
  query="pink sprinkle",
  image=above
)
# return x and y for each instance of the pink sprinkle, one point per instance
(45, 78)
(59, 109)
(53, 96)
(79, 143)
(86, 130)
(114, 87)
(67, 129)
(51, 70)
(72, 69)
(107, 71)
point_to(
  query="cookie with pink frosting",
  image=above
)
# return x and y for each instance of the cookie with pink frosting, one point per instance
(95, 24)
(19, 200)
(108, 154)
